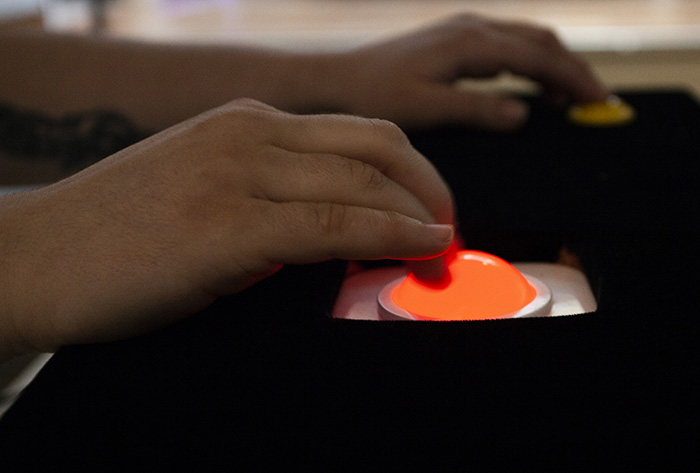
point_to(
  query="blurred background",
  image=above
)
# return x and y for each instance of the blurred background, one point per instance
(631, 43)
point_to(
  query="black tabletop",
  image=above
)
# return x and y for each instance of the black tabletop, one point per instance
(266, 375)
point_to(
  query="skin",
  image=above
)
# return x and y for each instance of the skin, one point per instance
(217, 202)
(413, 76)
(207, 208)
(408, 80)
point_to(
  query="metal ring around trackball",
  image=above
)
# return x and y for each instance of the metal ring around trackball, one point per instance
(540, 306)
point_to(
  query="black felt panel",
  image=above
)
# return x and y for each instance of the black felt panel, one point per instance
(266, 375)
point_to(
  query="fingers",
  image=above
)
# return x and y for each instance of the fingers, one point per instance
(561, 72)
(333, 186)
(372, 200)
(488, 110)
(283, 176)
(471, 46)
(535, 52)
(340, 159)
(379, 144)
(435, 271)
(309, 232)
(374, 197)
(387, 150)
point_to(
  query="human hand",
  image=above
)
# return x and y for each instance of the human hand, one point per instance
(411, 79)
(207, 208)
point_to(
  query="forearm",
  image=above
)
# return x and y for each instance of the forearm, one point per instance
(157, 85)
(11, 341)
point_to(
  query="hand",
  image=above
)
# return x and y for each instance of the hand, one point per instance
(207, 208)
(411, 79)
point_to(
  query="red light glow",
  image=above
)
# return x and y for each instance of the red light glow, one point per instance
(481, 286)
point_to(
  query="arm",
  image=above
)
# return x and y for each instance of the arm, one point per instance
(79, 258)
(413, 79)
(409, 79)
(204, 209)
(156, 85)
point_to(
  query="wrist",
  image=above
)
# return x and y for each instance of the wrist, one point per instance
(12, 343)
(318, 82)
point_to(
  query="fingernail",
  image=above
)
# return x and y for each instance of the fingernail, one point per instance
(442, 232)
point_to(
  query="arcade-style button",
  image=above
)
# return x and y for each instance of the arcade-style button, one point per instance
(479, 286)
(612, 112)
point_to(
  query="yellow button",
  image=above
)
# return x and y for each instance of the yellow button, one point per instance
(612, 112)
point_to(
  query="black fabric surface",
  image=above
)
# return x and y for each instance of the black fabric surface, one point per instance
(265, 376)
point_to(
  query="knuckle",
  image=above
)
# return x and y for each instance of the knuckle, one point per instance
(236, 110)
(390, 229)
(387, 130)
(392, 221)
(391, 134)
(248, 103)
(243, 121)
(231, 116)
(367, 177)
(331, 219)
